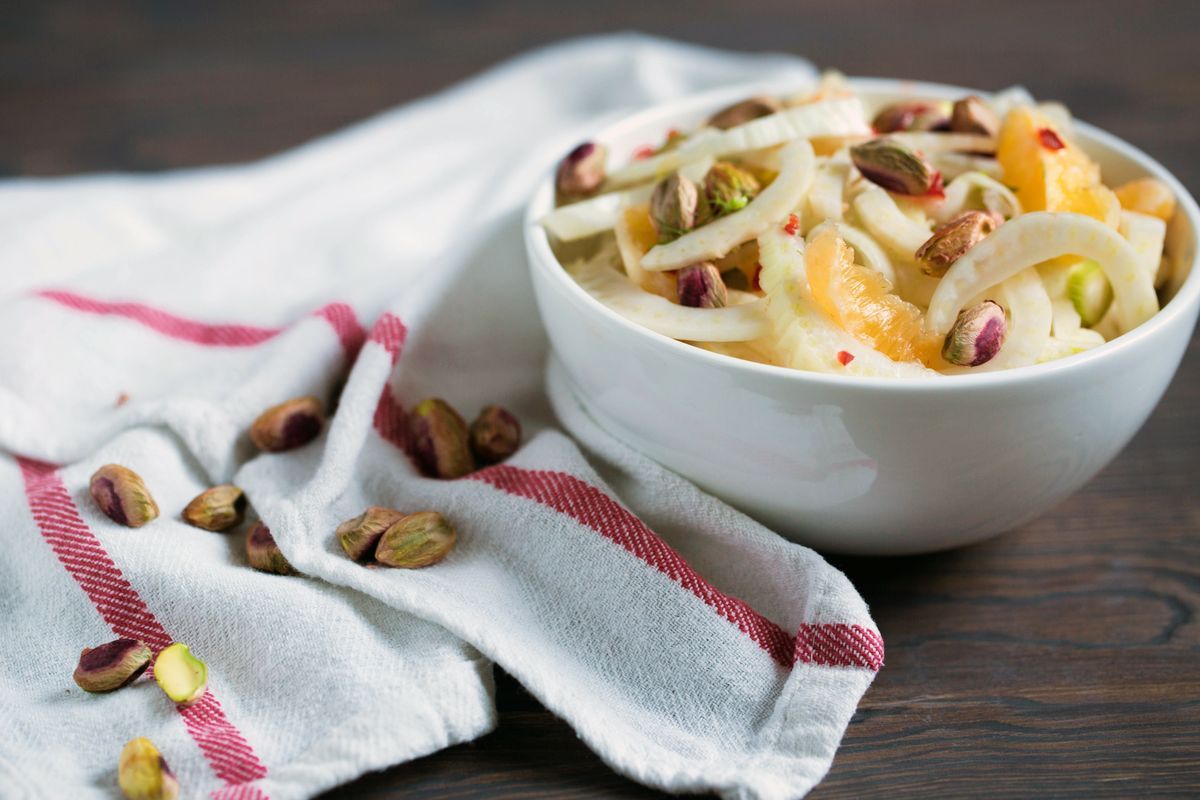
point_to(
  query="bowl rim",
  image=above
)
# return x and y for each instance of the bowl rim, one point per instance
(1185, 300)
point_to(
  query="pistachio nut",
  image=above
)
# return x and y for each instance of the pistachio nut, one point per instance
(441, 442)
(581, 172)
(182, 676)
(972, 115)
(263, 554)
(673, 207)
(143, 774)
(217, 509)
(288, 425)
(111, 666)
(122, 496)
(976, 336)
(911, 115)
(894, 166)
(743, 112)
(953, 239)
(359, 536)
(416, 540)
(495, 434)
(700, 286)
(728, 188)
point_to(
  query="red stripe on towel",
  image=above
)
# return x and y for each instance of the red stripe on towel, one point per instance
(389, 332)
(82, 555)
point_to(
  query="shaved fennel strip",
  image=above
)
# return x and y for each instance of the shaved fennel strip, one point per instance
(1066, 319)
(952, 165)
(769, 208)
(884, 220)
(827, 195)
(962, 190)
(838, 117)
(1146, 235)
(729, 324)
(1031, 316)
(1036, 237)
(804, 337)
(866, 250)
(598, 214)
(929, 142)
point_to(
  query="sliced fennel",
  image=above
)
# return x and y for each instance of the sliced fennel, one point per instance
(927, 142)
(842, 116)
(769, 208)
(1031, 316)
(1036, 237)
(952, 165)
(598, 214)
(884, 220)
(735, 323)
(804, 337)
(826, 198)
(1147, 236)
(974, 190)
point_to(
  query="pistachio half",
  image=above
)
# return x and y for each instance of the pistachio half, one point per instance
(581, 172)
(913, 115)
(288, 425)
(263, 554)
(122, 496)
(416, 540)
(440, 440)
(894, 166)
(743, 112)
(360, 536)
(700, 286)
(673, 207)
(495, 434)
(952, 240)
(111, 666)
(143, 774)
(972, 115)
(728, 188)
(182, 676)
(976, 336)
(217, 509)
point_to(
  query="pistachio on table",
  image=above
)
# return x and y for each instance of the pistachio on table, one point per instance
(143, 774)
(359, 536)
(675, 207)
(441, 441)
(495, 434)
(976, 336)
(288, 425)
(581, 172)
(122, 496)
(743, 112)
(953, 239)
(416, 540)
(217, 509)
(181, 676)
(729, 188)
(701, 286)
(264, 554)
(895, 166)
(111, 666)
(911, 115)
(972, 115)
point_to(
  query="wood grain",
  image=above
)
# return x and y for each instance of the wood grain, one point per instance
(1061, 659)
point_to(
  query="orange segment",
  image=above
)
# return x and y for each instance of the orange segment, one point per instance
(1147, 196)
(1048, 172)
(860, 301)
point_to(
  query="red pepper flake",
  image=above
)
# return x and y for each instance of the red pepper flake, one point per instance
(645, 151)
(844, 357)
(937, 188)
(754, 281)
(122, 399)
(1050, 140)
(793, 225)
(672, 133)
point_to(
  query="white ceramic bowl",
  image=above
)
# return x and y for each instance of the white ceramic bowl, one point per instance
(867, 465)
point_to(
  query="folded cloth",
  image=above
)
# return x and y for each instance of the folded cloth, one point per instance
(151, 319)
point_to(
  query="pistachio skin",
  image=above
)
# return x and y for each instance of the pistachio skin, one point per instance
(910, 116)
(581, 172)
(143, 774)
(495, 434)
(110, 666)
(700, 286)
(972, 115)
(217, 509)
(952, 240)
(441, 441)
(360, 536)
(289, 425)
(744, 111)
(122, 496)
(977, 335)
(415, 541)
(728, 188)
(263, 554)
(894, 166)
(673, 207)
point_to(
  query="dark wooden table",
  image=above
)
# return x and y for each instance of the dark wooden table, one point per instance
(1060, 659)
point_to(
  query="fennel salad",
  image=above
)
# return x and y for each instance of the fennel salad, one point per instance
(918, 238)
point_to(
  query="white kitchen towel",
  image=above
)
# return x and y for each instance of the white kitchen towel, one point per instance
(149, 319)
